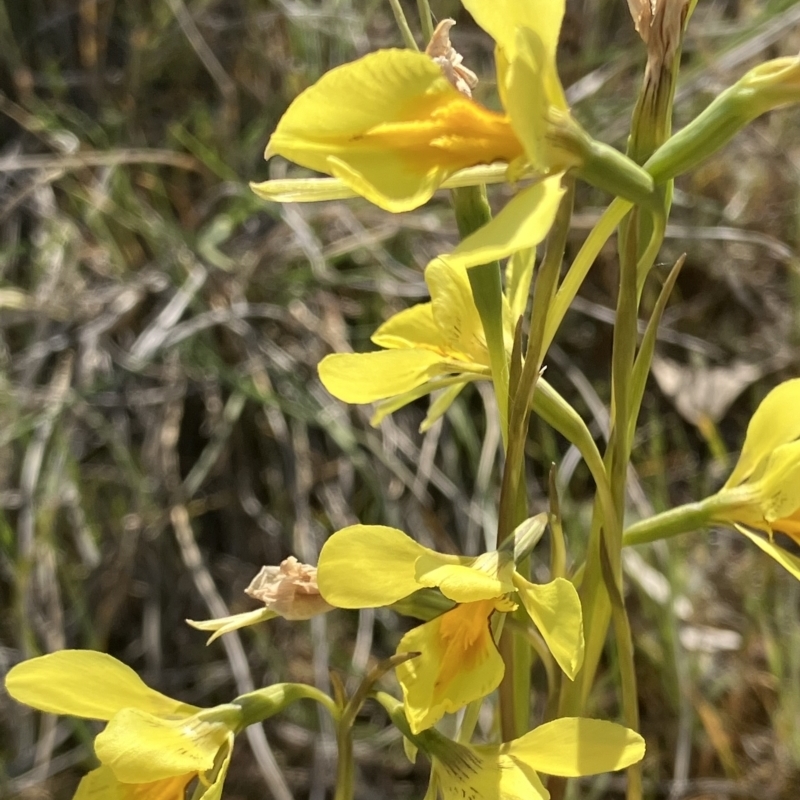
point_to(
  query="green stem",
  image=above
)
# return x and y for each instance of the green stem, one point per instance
(425, 19)
(473, 212)
(560, 415)
(345, 764)
(622, 411)
(577, 273)
(402, 23)
(599, 164)
(685, 518)
(264, 703)
(767, 86)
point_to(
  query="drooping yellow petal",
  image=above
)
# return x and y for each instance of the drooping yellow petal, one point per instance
(572, 746)
(786, 560)
(458, 663)
(367, 377)
(440, 404)
(789, 525)
(142, 748)
(364, 566)
(223, 625)
(519, 275)
(502, 18)
(311, 190)
(485, 772)
(102, 784)
(86, 683)
(391, 127)
(775, 422)
(454, 311)
(460, 583)
(214, 790)
(555, 609)
(413, 327)
(522, 223)
(779, 485)
(532, 88)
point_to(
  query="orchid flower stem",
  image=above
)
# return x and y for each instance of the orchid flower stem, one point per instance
(472, 212)
(470, 721)
(402, 23)
(676, 521)
(577, 273)
(610, 551)
(425, 19)
(516, 686)
(261, 704)
(345, 765)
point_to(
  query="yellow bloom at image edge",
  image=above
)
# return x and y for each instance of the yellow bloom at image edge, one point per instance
(153, 746)
(392, 126)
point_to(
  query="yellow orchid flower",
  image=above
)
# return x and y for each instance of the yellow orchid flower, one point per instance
(428, 347)
(569, 747)
(393, 128)
(762, 492)
(367, 566)
(764, 486)
(153, 746)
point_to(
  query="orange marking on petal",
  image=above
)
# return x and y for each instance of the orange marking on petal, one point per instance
(466, 638)
(456, 134)
(173, 788)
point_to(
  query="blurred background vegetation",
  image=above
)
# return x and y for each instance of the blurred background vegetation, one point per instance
(163, 433)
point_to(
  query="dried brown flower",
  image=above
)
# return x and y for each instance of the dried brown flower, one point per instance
(444, 54)
(289, 590)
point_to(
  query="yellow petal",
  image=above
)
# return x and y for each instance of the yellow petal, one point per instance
(523, 223)
(367, 377)
(141, 748)
(458, 663)
(775, 422)
(102, 784)
(529, 84)
(392, 128)
(365, 566)
(572, 747)
(310, 190)
(460, 583)
(485, 772)
(412, 327)
(779, 485)
(502, 18)
(214, 790)
(555, 609)
(440, 404)
(455, 312)
(85, 683)
(519, 274)
(223, 625)
(786, 560)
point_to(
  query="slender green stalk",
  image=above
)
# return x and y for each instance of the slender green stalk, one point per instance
(610, 552)
(345, 764)
(263, 703)
(560, 415)
(765, 87)
(558, 545)
(473, 212)
(402, 23)
(425, 19)
(685, 518)
(516, 686)
(577, 273)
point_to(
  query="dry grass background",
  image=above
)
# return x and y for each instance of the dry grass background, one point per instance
(163, 432)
